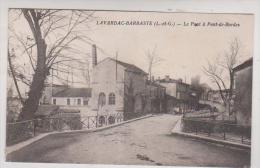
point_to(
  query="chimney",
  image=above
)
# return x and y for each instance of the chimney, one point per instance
(152, 79)
(94, 55)
(180, 80)
(167, 78)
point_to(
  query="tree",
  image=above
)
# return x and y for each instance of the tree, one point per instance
(52, 38)
(217, 70)
(13, 74)
(153, 59)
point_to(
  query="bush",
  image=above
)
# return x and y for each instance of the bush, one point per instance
(19, 131)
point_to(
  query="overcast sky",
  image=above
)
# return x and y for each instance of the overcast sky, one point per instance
(184, 50)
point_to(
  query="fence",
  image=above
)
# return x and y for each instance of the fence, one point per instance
(218, 129)
(20, 131)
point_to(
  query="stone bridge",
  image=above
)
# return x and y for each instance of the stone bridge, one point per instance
(143, 142)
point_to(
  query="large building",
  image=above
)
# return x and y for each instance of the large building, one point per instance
(181, 97)
(243, 92)
(156, 97)
(119, 91)
(118, 88)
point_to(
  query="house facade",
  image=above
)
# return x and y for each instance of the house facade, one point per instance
(49, 91)
(243, 92)
(74, 99)
(180, 96)
(156, 96)
(118, 90)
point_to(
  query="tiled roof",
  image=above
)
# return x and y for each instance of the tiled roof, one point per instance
(69, 110)
(46, 110)
(74, 92)
(129, 67)
(170, 80)
(149, 83)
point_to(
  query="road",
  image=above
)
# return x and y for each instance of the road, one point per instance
(143, 142)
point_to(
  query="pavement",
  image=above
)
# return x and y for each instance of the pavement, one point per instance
(144, 142)
(18, 146)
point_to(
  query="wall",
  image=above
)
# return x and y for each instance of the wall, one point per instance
(48, 92)
(243, 97)
(156, 94)
(128, 87)
(104, 80)
(73, 101)
(135, 100)
(171, 88)
(85, 110)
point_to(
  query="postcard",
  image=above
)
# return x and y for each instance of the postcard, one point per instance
(122, 87)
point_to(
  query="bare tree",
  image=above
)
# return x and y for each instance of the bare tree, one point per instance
(153, 59)
(220, 69)
(51, 41)
(12, 72)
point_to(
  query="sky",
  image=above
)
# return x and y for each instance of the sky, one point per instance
(183, 50)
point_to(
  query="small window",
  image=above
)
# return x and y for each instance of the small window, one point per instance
(102, 99)
(85, 102)
(68, 101)
(112, 98)
(54, 101)
(79, 101)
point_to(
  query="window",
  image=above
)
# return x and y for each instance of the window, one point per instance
(79, 101)
(68, 101)
(102, 120)
(44, 100)
(85, 102)
(111, 98)
(111, 120)
(54, 101)
(102, 99)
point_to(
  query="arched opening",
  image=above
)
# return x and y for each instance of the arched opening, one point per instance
(111, 120)
(102, 120)
(111, 99)
(101, 99)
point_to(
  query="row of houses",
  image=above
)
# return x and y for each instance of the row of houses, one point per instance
(117, 89)
(122, 89)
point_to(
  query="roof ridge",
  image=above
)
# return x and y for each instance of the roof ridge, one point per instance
(74, 92)
(128, 64)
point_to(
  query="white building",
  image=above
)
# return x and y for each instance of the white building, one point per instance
(74, 98)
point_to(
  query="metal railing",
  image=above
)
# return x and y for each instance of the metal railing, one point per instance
(20, 131)
(218, 129)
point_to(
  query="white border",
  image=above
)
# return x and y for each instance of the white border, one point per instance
(207, 6)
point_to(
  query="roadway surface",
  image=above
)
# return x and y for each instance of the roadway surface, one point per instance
(143, 142)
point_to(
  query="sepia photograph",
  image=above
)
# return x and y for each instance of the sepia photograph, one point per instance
(118, 87)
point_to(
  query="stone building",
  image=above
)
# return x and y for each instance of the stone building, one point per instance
(49, 91)
(74, 99)
(118, 89)
(156, 97)
(243, 92)
(180, 96)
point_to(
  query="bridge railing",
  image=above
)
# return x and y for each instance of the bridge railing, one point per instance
(19, 131)
(218, 129)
